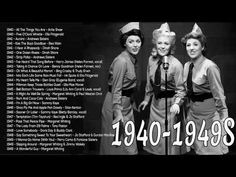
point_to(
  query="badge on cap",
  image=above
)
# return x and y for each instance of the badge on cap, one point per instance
(130, 26)
(164, 27)
(163, 30)
(196, 30)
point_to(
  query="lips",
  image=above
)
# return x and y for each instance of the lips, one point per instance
(135, 50)
(163, 52)
(192, 53)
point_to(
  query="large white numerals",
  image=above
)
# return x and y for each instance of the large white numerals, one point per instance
(202, 135)
(129, 133)
(229, 119)
(116, 127)
(190, 130)
(216, 133)
(143, 138)
(177, 142)
(158, 126)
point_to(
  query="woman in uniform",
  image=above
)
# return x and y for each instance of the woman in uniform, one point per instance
(118, 104)
(164, 43)
(205, 93)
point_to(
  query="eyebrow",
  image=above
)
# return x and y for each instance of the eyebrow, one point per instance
(134, 39)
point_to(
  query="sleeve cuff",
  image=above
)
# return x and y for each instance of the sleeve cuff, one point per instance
(224, 114)
(147, 98)
(117, 110)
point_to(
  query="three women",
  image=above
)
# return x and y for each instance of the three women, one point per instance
(199, 81)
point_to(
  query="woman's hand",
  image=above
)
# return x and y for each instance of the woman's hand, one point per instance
(117, 119)
(143, 105)
(175, 109)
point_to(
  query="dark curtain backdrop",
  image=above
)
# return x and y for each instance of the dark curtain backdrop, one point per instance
(95, 41)
(101, 40)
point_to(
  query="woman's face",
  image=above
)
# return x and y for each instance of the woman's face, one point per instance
(163, 45)
(194, 48)
(133, 44)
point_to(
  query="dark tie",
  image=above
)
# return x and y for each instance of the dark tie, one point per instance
(189, 79)
(138, 82)
(158, 73)
(135, 97)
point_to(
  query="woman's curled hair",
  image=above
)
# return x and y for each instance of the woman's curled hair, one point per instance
(134, 32)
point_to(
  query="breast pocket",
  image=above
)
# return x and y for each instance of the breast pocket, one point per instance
(200, 80)
(171, 76)
(130, 77)
(200, 77)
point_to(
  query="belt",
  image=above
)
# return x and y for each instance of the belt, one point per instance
(199, 97)
(127, 92)
(165, 94)
(161, 94)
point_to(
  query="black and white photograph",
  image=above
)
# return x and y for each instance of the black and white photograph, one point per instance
(144, 88)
